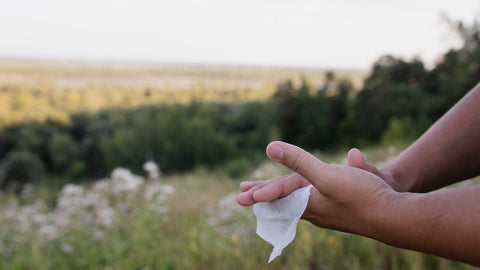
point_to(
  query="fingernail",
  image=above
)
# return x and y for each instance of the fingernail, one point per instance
(275, 152)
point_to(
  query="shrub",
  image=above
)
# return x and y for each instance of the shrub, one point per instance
(62, 149)
(399, 132)
(20, 167)
(237, 168)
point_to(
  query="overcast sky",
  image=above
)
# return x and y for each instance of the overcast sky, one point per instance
(313, 33)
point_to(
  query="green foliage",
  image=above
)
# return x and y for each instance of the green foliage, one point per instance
(374, 108)
(237, 168)
(400, 89)
(62, 150)
(311, 117)
(20, 167)
(399, 132)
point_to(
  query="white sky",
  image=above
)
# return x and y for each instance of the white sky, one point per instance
(315, 33)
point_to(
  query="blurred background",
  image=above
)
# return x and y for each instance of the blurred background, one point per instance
(119, 110)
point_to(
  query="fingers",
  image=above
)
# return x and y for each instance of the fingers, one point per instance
(308, 170)
(245, 199)
(356, 159)
(280, 188)
(248, 188)
(246, 185)
(263, 191)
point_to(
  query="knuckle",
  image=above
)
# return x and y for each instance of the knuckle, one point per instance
(297, 162)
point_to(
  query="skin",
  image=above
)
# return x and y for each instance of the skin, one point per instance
(390, 204)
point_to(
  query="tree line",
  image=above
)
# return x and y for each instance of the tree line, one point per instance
(399, 100)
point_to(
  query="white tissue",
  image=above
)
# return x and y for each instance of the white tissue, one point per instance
(277, 220)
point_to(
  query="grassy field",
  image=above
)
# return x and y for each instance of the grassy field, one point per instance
(43, 90)
(188, 221)
(73, 73)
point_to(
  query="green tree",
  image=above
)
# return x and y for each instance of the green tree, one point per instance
(286, 103)
(393, 89)
(311, 113)
(20, 167)
(456, 73)
(62, 150)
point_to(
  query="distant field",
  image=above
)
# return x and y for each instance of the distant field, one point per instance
(71, 74)
(41, 90)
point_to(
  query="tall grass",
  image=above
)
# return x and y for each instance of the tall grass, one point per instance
(199, 227)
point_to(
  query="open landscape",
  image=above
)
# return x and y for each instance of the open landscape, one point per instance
(75, 136)
(127, 129)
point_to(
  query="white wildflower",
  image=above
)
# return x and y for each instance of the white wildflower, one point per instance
(225, 215)
(10, 213)
(66, 248)
(104, 216)
(94, 199)
(39, 219)
(158, 209)
(152, 191)
(71, 198)
(229, 207)
(48, 232)
(60, 220)
(124, 181)
(77, 207)
(71, 190)
(152, 169)
(70, 205)
(98, 234)
(101, 186)
(155, 194)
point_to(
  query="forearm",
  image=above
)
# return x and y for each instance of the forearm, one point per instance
(446, 153)
(444, 223)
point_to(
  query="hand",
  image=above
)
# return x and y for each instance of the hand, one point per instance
(356, 159)
(343, 198)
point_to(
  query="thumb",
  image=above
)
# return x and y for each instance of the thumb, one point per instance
(298, 160)
(356, 159)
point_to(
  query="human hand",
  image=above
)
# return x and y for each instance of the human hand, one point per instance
(356, 159)
(343, 198)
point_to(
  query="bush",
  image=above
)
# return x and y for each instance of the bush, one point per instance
(77, 169)
(399, 132)
(239, 167)
(62, 149)
(20, 167)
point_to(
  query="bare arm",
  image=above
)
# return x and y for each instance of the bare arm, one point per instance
(447, 153)
(444, 223)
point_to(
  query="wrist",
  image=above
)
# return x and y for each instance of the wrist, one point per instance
(390, 218)
(404, 179)
(382, 219)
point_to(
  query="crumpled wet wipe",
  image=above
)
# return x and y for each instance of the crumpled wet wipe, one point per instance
(277, 220)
